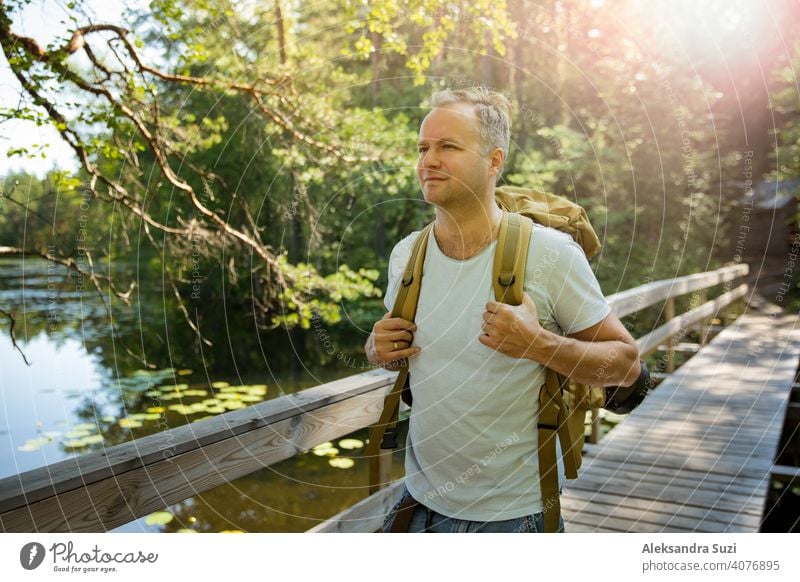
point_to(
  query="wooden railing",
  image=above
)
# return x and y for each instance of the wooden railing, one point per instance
(105, 489)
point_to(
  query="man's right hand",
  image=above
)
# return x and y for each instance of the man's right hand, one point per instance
(390, 342)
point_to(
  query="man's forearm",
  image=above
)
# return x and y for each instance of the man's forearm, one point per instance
(597, 363)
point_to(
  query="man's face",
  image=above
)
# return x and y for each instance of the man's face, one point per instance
(450, 167)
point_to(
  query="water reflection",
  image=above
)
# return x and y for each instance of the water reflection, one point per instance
(86, 389)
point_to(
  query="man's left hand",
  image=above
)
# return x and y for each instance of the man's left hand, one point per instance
(509, 329)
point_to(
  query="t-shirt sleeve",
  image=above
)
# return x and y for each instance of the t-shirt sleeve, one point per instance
(397, 264)
(575, 297)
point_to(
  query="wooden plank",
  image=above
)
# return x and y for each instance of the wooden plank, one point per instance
(41, 483)
(635, 426)
(645, 485)
(684, 495)
(579, 500)
(658, 476)
(711, 522)
(365, 516)
(720, 478)
(687, 431)
(754, 468)
(722, 418)
(784, 472)
(680, 441)
(685, 347)
(632, 300)
(109, 503)
(602, 523)
(611, 525)
(727, 421)
(644, 519)
(670, 515)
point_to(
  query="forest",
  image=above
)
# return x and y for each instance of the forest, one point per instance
(260, 156)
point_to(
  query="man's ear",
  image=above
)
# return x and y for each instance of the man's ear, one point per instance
(496, 160)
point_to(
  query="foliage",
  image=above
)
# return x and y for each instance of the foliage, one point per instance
(262, 155)
(786, 108)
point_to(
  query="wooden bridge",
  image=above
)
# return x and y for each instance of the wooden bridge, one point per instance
(698, 455)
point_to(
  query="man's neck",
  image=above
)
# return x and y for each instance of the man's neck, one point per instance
(463, 233)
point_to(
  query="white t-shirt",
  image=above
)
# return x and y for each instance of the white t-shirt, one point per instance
(472, 441)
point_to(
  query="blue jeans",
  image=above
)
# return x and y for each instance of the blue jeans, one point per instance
(428, 521)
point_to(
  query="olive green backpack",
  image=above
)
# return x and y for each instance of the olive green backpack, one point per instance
(562, 403)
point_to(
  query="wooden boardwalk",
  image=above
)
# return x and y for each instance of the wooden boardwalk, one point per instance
(696, 455)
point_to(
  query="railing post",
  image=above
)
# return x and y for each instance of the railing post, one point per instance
(702, 329)
(669, 312)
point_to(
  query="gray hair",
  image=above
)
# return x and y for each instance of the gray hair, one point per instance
(492, 109)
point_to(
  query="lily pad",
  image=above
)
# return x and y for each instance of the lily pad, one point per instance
(251, 398)
(129, 423)
(216, 409)
(234, 405)
(220, 384)
(159, 518)
(156, 410)
(341, 462)
(229, 396)
(93, 439)
(195, 392)
(350, 444)
(32, 445)
(184, 372)
(77, 434)
(186, 530)
(85, 426)
(153, 393)
(74, 444)
(181, 409)
(325, 449)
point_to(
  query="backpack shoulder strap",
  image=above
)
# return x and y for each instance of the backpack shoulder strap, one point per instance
(511, 257)
(383, 434)
(405, 304)
(508, 277)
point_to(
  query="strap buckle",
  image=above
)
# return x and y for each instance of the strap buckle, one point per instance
(505, 280)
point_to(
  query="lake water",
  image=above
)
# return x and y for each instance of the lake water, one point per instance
(95, 381)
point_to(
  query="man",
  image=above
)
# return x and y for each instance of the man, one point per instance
(475, 365)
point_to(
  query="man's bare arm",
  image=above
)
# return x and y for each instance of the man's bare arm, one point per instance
(604, 354)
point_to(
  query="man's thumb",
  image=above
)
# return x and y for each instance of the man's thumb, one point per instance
(528, 303)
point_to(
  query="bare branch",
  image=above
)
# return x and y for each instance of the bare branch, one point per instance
(11, 333)
(70, 263)
(7, 196)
